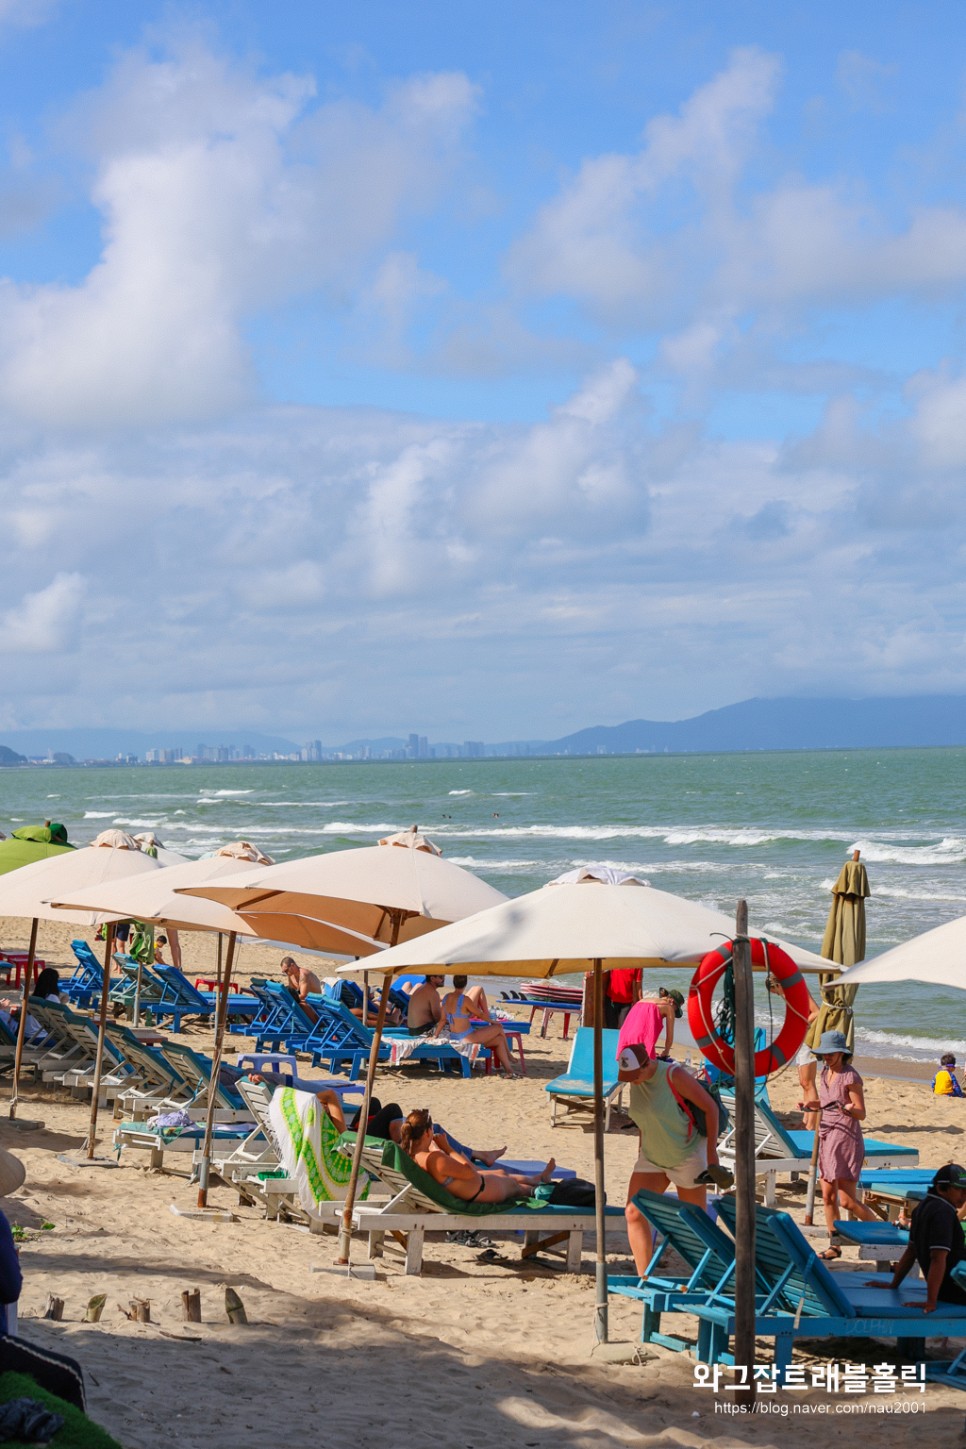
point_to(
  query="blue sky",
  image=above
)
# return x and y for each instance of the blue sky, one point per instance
(486, 370)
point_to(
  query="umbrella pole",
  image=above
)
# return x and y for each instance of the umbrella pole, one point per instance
(744, 1161)
(345, 1231)
(600, 1306)
(22, 1023)
(222, 1014)
(101, 1027)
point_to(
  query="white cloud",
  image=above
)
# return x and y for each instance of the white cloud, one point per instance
(44, 622)
(221, 192)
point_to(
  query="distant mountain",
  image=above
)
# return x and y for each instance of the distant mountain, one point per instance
(913, 721)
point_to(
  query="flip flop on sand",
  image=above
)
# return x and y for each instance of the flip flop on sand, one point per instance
(831, 1253)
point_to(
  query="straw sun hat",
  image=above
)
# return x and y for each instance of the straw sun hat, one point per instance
(12, 1173)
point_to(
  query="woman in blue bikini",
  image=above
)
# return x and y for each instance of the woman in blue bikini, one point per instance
(459, 1019)
(452, 1171)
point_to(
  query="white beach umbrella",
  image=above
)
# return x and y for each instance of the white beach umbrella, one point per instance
(600, 921)
(151, 845)
(937, 957)
(28, 893)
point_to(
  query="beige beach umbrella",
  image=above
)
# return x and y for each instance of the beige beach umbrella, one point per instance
(353, 902)
(937, 957)
(594, 924)
(28, 893)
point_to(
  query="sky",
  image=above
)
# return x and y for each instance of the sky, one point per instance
(478, 369)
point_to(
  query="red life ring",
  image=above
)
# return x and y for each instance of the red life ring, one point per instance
(701, 1013)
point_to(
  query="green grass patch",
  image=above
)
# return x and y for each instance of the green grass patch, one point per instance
(77, 1432)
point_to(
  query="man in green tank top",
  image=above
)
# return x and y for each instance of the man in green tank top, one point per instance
(671, 1148)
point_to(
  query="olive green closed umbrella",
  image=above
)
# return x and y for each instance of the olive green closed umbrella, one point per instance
(844, 941)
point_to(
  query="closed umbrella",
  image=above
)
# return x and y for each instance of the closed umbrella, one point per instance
(28, 893)
(594, 924)
(844, 942)
(32, 843)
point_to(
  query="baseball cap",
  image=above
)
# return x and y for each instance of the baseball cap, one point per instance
(631, 1059)
(677, 997)
(952, 1175)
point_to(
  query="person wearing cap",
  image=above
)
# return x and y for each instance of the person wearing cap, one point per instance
(648, 1018)
(671, 1150)
(841, 1145)
(936, 1240)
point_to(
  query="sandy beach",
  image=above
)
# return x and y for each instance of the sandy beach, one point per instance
(471, 1353)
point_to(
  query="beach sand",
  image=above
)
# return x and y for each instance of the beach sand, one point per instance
(470, 1353)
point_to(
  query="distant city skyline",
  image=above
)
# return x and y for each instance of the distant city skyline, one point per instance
(481, 366)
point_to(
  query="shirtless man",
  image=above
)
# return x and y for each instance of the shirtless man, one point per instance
(300, 981)
(425, 1008)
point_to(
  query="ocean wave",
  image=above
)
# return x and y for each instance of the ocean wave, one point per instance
(889, 892)
(105, 815)
(951, 850)
(228, 792)
(348, 827)
(303, 804)
(138, 824)
(456, 792)
(897, 1044)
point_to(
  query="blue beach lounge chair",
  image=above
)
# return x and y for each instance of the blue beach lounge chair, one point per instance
(780, 1150)
(804, 1300)
(707, 1252)
(574, 1089)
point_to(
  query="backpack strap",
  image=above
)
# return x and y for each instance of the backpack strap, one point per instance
(682, 1102)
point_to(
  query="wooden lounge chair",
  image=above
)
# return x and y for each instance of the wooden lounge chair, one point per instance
(574, 1089)
(419, 1204)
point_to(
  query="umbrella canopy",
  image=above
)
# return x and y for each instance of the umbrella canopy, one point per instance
(568, 925)
(353, 902)
(937, 957)
(413, 840)
(152, 898)
(28, 892)
(31, 843)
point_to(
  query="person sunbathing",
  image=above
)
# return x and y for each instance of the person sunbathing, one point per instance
(459, 1176)
(461, 1022)
(387, 1122)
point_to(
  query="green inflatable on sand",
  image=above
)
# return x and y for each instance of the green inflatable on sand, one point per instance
(76, 1432)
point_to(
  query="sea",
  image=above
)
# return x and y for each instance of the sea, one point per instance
(771, 828)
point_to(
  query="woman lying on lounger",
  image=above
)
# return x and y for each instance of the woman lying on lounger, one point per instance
(454, 1172)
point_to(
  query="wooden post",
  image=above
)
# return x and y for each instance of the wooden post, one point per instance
(234, 1307)
(220, 1017)
(101, 1026)
(345, 1231)
(191, 1305)
(141, 1310)
(600, 1305)
(22, 1023)
(744, 1162)
(95, 1307)
(54, 1308)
